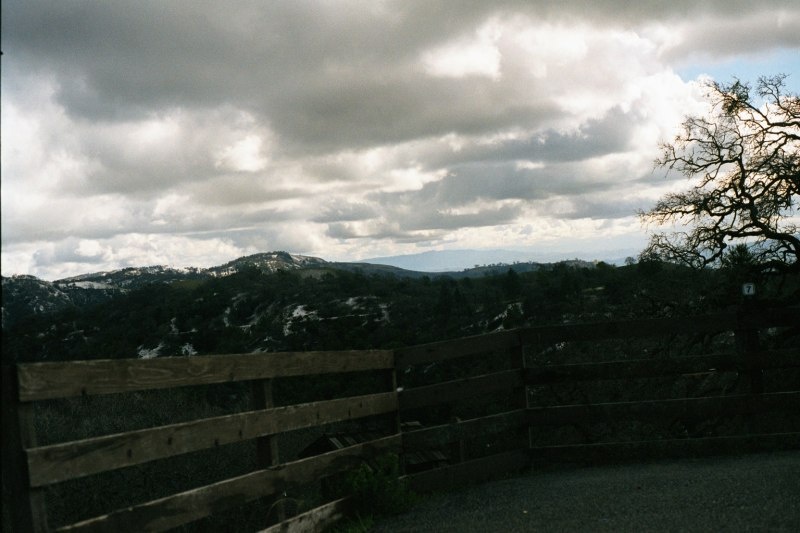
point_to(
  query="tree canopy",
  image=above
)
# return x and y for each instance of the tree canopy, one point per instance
(744, 159)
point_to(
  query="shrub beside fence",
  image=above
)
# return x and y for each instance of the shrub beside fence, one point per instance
(456, 411)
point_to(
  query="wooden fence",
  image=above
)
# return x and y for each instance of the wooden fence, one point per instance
(456, 411)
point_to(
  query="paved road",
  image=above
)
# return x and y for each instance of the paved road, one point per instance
(745, 493)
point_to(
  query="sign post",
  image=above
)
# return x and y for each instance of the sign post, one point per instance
(748, 290)
(747, 338)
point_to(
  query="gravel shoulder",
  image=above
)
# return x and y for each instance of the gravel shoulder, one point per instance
(758, 492)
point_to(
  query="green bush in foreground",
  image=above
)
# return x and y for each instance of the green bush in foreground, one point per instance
(376, 490)
(356, 524)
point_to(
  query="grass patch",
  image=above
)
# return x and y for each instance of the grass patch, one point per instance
(376, 491)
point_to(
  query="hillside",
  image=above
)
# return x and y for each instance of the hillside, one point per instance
(26, 295)
(277, 302)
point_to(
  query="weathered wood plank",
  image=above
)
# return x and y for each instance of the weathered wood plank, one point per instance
(316, 519)
(666, 448)
(177, 509)
(627, 329)
(637, 368)
(473, 471)
(459, 389)
(42, 381)
(443, 350)
(451, 349)
(438, 436)
(690, 408)
(59, 462)
(645, 368)
(267, 450)
(391, 382)
(26, 506)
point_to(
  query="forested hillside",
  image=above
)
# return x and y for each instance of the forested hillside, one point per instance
(331, 309)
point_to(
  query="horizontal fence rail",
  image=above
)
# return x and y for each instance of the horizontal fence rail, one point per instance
(643, 368)
(697, 408)
(465, 429)
(59, 462)
(460, 411)
(652, 327)
(445, 350)
(184, 507)
(452, 391)
(43, 381)
(43, 466)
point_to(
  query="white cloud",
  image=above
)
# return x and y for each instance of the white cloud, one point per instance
(92, 249)
(475, 55)
(195, 133)
(244, 155)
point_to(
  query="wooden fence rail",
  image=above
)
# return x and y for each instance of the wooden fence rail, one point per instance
(521, 345)
(39, 466)
(460, 410)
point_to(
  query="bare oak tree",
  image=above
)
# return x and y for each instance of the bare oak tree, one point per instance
(744, 157)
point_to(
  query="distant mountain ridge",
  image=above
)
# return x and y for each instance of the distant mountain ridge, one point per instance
(460, 260)
(133, 277)
(24, 295)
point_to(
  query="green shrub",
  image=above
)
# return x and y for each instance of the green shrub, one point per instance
(376, 488)
(354, 524)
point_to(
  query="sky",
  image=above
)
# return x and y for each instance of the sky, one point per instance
(193, 132)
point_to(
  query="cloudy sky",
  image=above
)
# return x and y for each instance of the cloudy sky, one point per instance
(194, 132)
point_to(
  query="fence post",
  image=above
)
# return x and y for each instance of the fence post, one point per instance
(396, 425)
(267, 452)
(27, 505)
(748, 345)
(397, 386)
(518, 361)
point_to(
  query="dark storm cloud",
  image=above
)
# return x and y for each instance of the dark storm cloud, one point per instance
(609, 134)
(313, 69)
(495, 182)
(322, 73)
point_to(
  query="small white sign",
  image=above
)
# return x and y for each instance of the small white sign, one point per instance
(749, 289)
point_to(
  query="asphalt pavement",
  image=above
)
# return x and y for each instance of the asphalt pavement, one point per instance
(758, 493)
